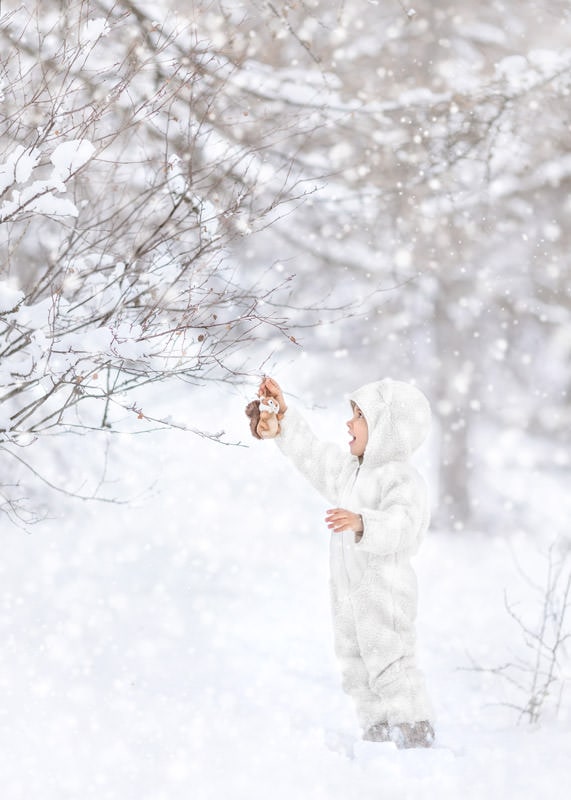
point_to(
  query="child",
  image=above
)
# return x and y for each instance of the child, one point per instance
(381, 512)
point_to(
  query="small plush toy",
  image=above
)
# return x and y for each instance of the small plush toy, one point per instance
(263, 414)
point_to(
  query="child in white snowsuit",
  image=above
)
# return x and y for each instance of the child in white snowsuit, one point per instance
(380, 514)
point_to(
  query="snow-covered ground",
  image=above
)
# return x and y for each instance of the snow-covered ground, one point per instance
(180, 646)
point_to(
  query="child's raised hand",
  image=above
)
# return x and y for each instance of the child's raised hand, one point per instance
(270, 388)
(339, 520)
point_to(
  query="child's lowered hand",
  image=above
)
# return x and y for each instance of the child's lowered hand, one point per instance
(339, 520)
(270, 388)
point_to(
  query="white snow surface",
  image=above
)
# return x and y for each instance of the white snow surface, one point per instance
(70, 156)
(37, 197)
(179, 646)
(18, 167)
(9, 296)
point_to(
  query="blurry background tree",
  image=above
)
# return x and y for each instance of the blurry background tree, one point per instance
(409, 163)
(446, 132)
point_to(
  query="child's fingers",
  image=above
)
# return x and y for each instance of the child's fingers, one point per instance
(272, 385)
(336, 519)
(340, 520)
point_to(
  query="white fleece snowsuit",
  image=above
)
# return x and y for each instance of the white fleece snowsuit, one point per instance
(373, 585)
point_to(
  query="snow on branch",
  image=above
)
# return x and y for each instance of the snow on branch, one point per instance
(127, 172)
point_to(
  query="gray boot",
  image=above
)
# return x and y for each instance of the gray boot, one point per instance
(415, 734)
(404, 734)
(380, 732)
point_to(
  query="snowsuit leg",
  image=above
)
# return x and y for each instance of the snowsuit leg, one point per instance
(375, 645)
(354, 673)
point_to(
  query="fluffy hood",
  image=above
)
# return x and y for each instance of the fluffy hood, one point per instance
(398, 418)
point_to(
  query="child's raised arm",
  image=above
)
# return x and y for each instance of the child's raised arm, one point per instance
(322, 463)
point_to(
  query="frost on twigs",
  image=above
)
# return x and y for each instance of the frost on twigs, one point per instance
(70, 156)
(127, 170)
(41, 196)
(10, 297)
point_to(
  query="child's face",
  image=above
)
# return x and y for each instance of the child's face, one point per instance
(359, 432)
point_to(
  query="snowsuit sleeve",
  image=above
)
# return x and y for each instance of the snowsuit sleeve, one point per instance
(322, 463)
(402, 517)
